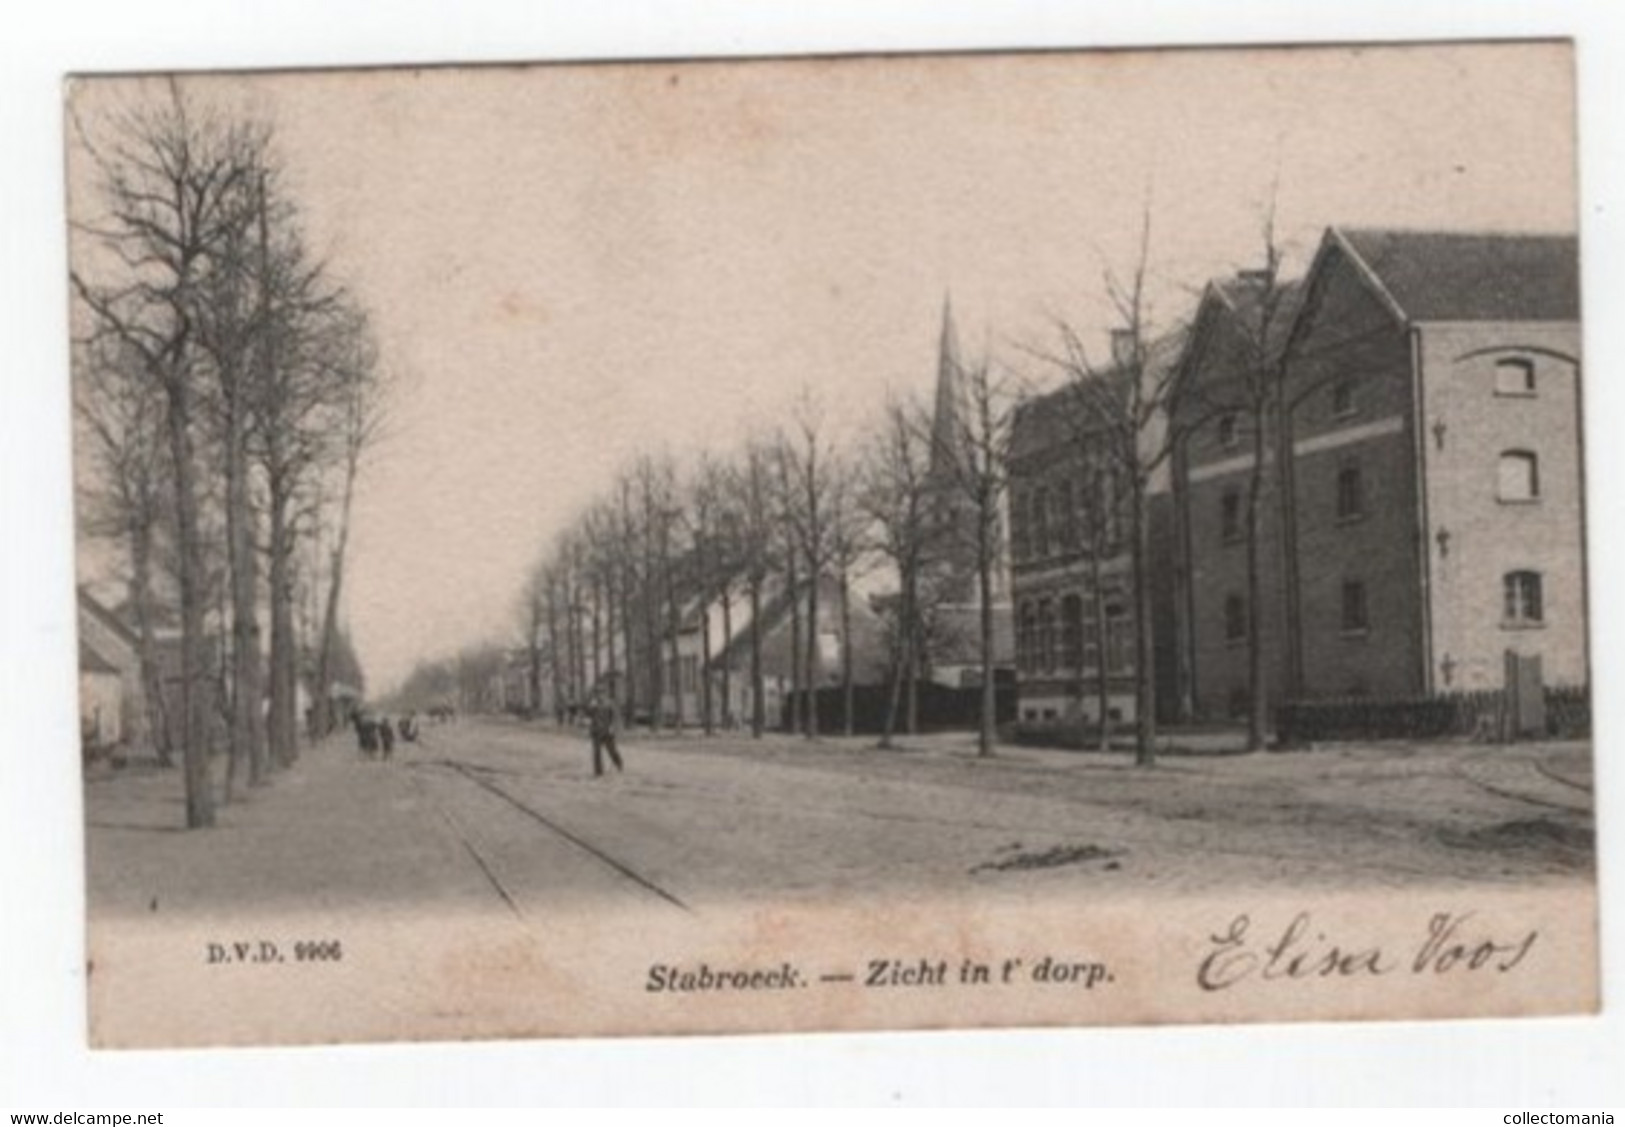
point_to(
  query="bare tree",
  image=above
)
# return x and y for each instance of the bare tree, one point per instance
(123, 412)
(753, 493)
(171, 180)
(894, 496)
(1129, 401)
(361, 419)
(977, 467)
(808, 460)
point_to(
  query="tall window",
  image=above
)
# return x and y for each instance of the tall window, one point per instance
(1046, 635)
(1119, 643)
(1523, 598)
(1518, 476)
(1024, 639)
(1041, 523)
(1356, 615)
(1350, 493)
(1066, 516)
(1228, 435)
(1020, 528)
(1230, 516)
(1515, 377)
(1072, 632)
(1235, 618)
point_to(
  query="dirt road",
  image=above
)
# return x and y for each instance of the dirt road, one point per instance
(510, 814)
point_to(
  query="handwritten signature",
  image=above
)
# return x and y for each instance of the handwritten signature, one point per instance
(1453, 944)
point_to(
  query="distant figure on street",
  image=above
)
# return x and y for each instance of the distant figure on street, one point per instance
(602, 722)
(386, 735)
(409, 727)
(366, 732)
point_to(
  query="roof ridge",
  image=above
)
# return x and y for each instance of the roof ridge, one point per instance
(1462, 232)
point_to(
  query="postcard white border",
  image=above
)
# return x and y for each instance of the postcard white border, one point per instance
(42, 1023)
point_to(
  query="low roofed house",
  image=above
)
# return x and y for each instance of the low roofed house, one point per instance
(111, 706)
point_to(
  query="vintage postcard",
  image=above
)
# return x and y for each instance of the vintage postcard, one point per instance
(832, 543)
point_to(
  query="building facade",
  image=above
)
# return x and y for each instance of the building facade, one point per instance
(1071, 563)
(1423, 497)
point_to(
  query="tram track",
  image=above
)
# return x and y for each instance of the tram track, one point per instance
(1461, 771)
(477, 776)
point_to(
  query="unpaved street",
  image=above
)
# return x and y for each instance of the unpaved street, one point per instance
(509, 816)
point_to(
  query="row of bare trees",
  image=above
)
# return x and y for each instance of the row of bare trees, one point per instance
(775, 533)
(923, 495)
(228, 388)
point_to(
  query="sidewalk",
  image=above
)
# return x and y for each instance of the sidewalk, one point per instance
(333, 829)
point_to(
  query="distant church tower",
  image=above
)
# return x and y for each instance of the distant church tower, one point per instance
(951, 559)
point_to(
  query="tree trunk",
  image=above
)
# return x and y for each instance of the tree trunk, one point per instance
(914, 650)
(247, 689)
(706, 704)
(284, 720)
(330, 614)
(758, 706)
(194, 752)
(1145, 673)
(988, 732)
(152, 685)
(846, 651)
(1103, 626)
(814, 657)
(1257, 704)
(727, 651)
(794, 593)
(902, 658)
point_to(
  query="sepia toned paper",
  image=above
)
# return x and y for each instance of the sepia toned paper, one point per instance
(567, 269)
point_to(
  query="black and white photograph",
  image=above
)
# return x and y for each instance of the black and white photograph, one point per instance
(898, 541)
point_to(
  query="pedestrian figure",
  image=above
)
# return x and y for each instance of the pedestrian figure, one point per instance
(386, 734)
(602, 722)
(366, 733)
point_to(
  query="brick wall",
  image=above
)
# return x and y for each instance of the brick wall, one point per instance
(1469, 423)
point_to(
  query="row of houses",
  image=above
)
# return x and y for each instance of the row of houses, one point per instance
(1421, 490)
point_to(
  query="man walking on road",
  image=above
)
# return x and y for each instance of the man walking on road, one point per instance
(602, 719)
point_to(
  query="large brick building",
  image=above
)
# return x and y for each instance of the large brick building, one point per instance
(1424, 498)
(1072, 569)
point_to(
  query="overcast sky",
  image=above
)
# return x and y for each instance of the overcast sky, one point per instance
(568, 265)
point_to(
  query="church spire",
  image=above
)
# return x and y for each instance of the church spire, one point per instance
(945, 436)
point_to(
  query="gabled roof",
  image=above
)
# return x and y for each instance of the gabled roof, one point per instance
(93, 607)
(1247, 295)
(92, 662)
(1053, 419)
(1461, 276)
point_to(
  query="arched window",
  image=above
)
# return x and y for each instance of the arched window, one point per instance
(1518, 476)
(1515, 376)
(1523, 598)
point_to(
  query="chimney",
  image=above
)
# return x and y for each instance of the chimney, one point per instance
(1123, 348)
